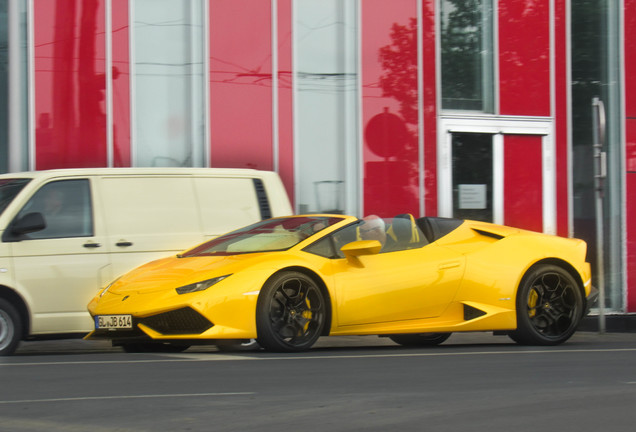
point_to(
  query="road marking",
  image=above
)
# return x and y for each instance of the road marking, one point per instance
(71, 399)
(208, 357)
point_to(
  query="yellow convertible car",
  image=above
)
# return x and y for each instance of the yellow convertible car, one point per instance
(285, 282)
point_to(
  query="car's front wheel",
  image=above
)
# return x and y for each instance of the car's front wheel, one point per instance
(549, 307)
(419, 339)
(290, 313)
(10, 328)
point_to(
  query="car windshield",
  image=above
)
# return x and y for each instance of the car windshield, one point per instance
(9, 188)
(265, 236)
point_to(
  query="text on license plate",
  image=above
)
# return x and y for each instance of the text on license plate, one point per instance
(113, 322)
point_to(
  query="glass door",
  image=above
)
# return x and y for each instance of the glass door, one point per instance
(500, 171)
(472, 159)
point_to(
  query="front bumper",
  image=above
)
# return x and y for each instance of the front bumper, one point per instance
(179, 322)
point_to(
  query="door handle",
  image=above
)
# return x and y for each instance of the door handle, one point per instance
(449, 265)
(92, 245)
(123, 243)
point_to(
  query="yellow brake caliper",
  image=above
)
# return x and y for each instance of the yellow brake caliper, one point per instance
(532, 303)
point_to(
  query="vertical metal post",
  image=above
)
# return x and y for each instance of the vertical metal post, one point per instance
(600, 172)
(17, 141)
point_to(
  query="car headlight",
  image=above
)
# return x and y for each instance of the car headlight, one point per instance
(200, 286)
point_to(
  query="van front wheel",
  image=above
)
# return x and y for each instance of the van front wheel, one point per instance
(10, 328)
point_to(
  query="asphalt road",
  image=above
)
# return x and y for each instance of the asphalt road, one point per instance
(473, 382)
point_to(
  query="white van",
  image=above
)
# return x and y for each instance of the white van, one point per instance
(67, 233)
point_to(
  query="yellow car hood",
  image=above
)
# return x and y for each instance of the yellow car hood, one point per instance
(173, 272)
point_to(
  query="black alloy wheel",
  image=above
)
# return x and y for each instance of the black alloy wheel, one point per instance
(549, 307)
(419, 339)
(290, 313)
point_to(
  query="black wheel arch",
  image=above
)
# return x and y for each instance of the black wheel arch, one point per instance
(18, 302)
(562, 264)
(323, 289)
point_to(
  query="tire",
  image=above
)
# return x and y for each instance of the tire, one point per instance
(10, 328)
(420, 339)
(153, 347)
(290, 313)
(238, 345)
(549, 307)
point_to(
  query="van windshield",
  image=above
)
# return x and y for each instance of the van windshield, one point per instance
(9, 188)
(265, 236)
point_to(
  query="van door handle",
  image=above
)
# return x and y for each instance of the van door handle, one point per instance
(123, 243)
(92, 245)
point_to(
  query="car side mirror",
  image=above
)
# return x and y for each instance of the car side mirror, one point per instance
(361, 247)
(30, 222)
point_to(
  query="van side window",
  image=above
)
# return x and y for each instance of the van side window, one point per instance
(66, 208)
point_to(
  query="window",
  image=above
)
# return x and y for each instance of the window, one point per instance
(326, 94)
(168, 83)
(596, 72)
(66, 208)
(467, 55)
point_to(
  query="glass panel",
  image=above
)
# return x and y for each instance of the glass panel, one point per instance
(9, 189)
(267, 235)
(168, 85)
(472, 176)
(595, 72)
(4, 86)
(394, 234)
(326, 93)
(15, 79)
(66, 207)
(467, 55)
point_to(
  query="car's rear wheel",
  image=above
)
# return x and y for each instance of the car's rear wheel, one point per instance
(419, 339)
(290, 313)
(549, 307)
(153, 347)
(10, 328)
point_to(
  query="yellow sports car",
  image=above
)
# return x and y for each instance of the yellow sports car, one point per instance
(287, 281)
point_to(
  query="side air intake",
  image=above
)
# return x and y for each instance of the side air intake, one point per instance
(471, 313)
(488, 234)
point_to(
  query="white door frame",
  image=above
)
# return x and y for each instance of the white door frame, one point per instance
(498, 127)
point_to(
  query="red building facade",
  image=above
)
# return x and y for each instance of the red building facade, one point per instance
(362, 106)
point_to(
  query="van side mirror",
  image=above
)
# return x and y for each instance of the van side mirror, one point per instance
(30, 222)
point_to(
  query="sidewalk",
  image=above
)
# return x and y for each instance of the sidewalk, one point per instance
(613, 323)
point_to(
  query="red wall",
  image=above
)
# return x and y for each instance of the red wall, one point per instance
(70, 81)
(285, 101)
(121, 83)
(630, 151)
(389, 107)
(523, 188)
(240, 84)
(560, 114)
(429, 94)
(524, 57)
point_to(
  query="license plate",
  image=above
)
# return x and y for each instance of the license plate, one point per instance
(113, 322)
